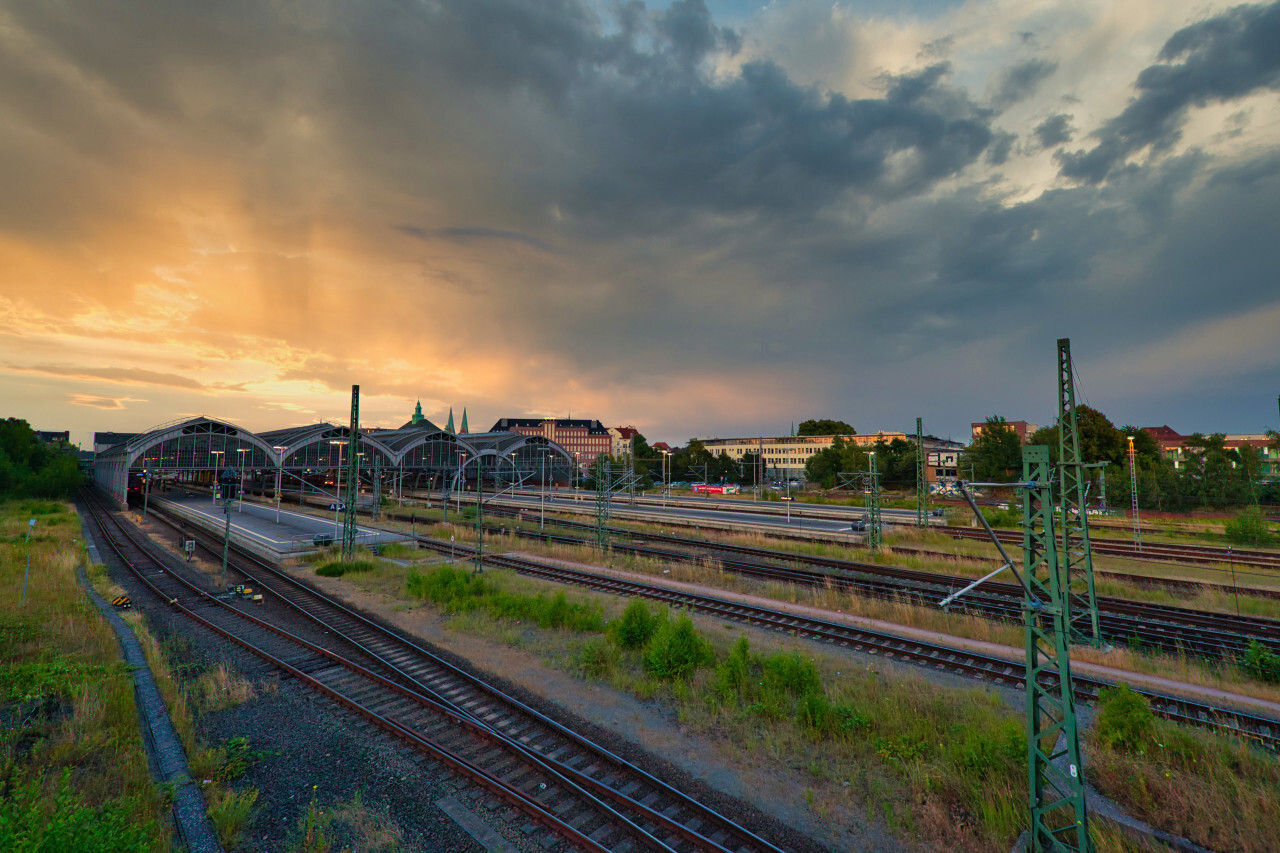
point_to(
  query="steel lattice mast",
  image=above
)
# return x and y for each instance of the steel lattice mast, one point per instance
(922, 488)
(602, 473)
(1082, 601)
(1059, 812)
(1133, 495)
(353, 474)
(873, 503)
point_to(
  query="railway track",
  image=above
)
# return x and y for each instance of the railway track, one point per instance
(1198, 554)
(1159, 552)
(1173, 629)
(571, 786)
(1261, 730)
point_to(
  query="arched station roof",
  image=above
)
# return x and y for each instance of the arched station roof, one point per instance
(193, 444)
(312, 445)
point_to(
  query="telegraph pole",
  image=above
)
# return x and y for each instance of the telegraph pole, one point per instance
(353, 479)
(1081, 600)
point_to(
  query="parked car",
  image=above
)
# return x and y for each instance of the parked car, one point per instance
(859, 525)
(938, 513)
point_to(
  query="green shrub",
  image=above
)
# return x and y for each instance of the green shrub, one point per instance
(338, 568)
(29, 823)
(636, 627)
(597, 658)
(676, 650)
(1125, 722)
(1248, 528)
(1261, 663)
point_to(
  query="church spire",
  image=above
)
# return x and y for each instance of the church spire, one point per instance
(449, 427)
(464, 420)
(417, 415)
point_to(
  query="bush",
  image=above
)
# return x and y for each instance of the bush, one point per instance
(597, 658)
(1248, 528)
(1261, 663)
(1125, 722)
(676, 650)
(636, 627)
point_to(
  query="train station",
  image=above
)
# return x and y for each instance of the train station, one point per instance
(313, 459)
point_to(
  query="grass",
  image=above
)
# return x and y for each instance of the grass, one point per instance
(73, 771)
(190, 692)
(900, 751)
(459, 590)
(1217, 791)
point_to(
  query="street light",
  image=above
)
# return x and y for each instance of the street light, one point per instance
(213, 492)
(279, 470)
(337, 490)
(666, 476)
(242, 450)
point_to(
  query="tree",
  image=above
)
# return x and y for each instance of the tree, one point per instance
(1145, 446)
(823, 466)
(825, 427)
(996, 454)
(31, 468)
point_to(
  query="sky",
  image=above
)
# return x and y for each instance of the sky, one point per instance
(708, 218)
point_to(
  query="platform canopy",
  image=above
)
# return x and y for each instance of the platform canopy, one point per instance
(194, 444)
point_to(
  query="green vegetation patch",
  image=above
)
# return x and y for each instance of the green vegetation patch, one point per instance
(459, 590)
(338, 568)
(1220, 792)
(33, 822)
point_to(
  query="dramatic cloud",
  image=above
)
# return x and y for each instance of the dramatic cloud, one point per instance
(1019, 82)
(1223, 58)
(638, 213)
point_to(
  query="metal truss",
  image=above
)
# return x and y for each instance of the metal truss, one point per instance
(1082, 601)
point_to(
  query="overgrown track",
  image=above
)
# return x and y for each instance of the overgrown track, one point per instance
(1175, 629)
(987, 668)
(1198, 554)
(579, 789)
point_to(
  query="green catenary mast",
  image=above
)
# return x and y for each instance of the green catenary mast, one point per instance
(1077, 554)
(1059, 813)
(353, 475)
(922, 487)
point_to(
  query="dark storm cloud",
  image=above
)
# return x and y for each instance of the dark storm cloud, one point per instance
(1019, 82)
(1055, 130)
(1223, 58)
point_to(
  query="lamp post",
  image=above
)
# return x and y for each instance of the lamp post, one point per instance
(146, 492)
(228, 481)
(213, 492)
(462, 468)
(337, 491)
(575, 475)
(242, 450)
(480, 513)
(279, 471)
(666, 476)
(542, 517)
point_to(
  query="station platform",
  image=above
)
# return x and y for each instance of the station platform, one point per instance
(255, 526)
